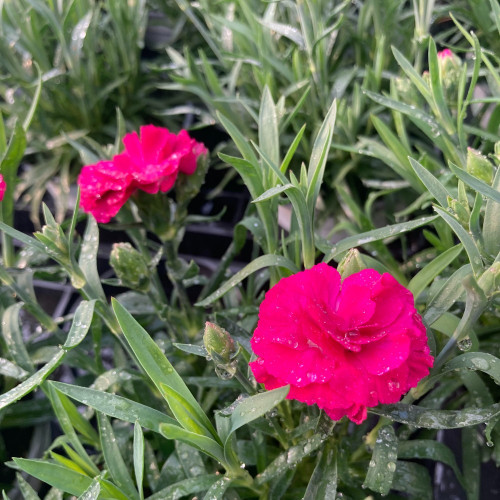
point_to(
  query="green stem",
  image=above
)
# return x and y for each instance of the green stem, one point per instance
(172, 259)
(8, 254)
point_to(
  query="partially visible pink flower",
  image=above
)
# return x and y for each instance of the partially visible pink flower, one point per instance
(343, 346)
(3, 187)
(443, 54)
(150, 162)
(105, 187)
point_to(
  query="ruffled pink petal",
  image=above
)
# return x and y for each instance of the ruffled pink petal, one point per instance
(354, 304)
(154, 141)
(388, 353)
(105, 188)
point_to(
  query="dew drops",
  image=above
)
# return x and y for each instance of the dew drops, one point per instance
(465, 344)
(391, 466)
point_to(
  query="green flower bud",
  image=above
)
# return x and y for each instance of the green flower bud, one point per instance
(130, 267)
(450, 68)
(479, 166)
(218, 343)
(221, 348)
(460, 210)
(490, 280)
(351, 263)
(496, 154)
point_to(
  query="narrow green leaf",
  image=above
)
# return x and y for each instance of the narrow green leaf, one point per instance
(185, 487)
(13, 337)
(9, 164)
(23, 238)
(3, 138)
(116, 406)
(323, 482)
(27, 491)
(113, 457)
(291, 150)
(268, 126)
(413, 479)
(437, 88)
(9, 369)
(255, 406)
(428, 449)
(289, 459)
(383, 463)
(81, 323)
(319, 156)
(88, 257)
(202, 443)
(491, 223)
(436, 419)
(475, 183)
(239, 139)
(471, 463)
(481, 361)
(56, 475)
(197, 350)
(375, 235)
(78, 421)
(157, 365)
(32, 382)
(92, 492)
(431, 270)
(271, 193)
(217, 490)
(257, 264)
(447, 295)
(139, 458)
(64, 421)
(400, 151)
(66, 479)
(435, 187)
(467, 241)
(35, 98)
(184, 412)
(413, 75)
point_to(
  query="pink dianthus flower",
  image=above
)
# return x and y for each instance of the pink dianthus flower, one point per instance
(150, 162)
(344, 346)
(3, 187)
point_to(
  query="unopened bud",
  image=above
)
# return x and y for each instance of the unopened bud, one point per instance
(218, 343)
(351, 263)
(130, 267)
(450, 68)
(479, 166)
(461, 211)
(490, 280)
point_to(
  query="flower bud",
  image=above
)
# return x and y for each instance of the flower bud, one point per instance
(130, 267)
(490, 279)
(351, 263)
(218, 343)
(461, 211)
(450, 67)
(479, 166)
(220, 347)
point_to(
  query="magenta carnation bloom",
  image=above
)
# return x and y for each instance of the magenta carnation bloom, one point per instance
(150, 163)
(344, 346)
(105, 187)
(3, 187)
(156, 157)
